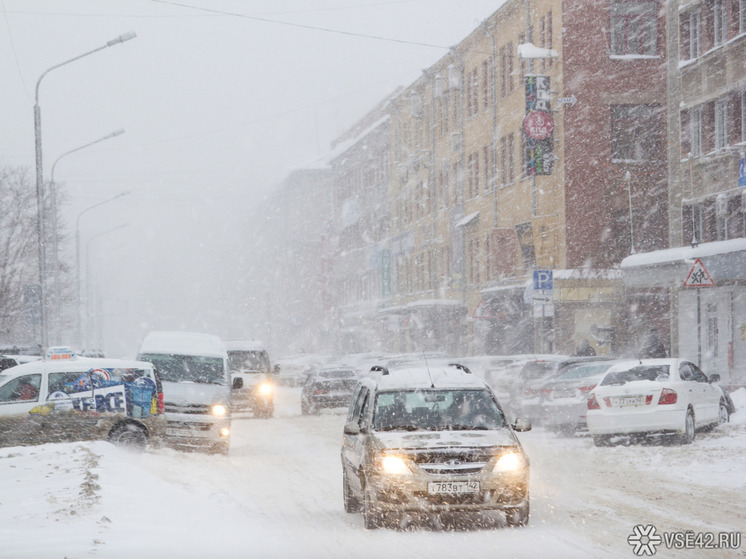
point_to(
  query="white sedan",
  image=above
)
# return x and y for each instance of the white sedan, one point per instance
(655, 396)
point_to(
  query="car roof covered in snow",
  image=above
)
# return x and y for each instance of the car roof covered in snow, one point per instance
(183, 343)
(244, 345)
(424, 378)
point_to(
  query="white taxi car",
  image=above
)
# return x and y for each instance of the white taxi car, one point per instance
(429, 441)
(69, 398)
(655, 396)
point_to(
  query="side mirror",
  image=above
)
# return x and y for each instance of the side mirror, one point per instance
(713, 378)
(276, 370)
(521, 424)
(237, 383)
(352, 429)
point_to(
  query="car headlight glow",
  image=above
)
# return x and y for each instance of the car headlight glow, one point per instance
(219, 410)
(509, 462)
(393, 465)
(264, 389)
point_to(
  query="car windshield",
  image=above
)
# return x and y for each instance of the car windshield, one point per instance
(583, 371)
(248, 361)
(188, 368)
(336, 375)
(653, 373)
(436, 410)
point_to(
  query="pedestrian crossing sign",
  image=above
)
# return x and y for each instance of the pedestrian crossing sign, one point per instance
(699, 276)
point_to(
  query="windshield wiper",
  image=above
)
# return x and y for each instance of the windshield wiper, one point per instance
(399, 428)
(468, 427)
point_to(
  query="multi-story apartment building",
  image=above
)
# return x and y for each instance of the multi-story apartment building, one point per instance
(357, 252)
(579, 138)
(478, 205)
(286, 263)
(707, 180)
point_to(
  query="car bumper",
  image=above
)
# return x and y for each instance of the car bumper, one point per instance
(624, 422)
(200, 432)
(496, 492)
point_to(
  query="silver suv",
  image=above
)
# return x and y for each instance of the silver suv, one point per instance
(431, 440)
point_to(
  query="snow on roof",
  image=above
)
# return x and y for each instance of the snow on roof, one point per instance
(422, 378)
(529, 50)
(586, 274)
(183, 343)
(683, 253)
(468, 219)
(245, 345)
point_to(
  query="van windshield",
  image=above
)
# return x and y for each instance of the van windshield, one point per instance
(240, 361)
(187, 368)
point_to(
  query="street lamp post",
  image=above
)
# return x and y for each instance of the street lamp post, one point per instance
(40, 182)
(88, 274)
(53, 188)
(79, 306)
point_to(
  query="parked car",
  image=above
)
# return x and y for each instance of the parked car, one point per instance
(330, 387)
(293, 370)
(252, 386)
(562, 399)
(69, 398)
(431, 440)
(535, 372)
(8, 361)
(655, 397)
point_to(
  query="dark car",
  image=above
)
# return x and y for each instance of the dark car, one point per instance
(330, 387)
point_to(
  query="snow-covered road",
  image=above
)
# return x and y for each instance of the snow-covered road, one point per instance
(278, 494)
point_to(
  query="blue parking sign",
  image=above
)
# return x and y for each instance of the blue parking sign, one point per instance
(543, 280)
(742, 170)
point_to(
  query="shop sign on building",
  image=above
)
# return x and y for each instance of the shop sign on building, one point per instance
(538, 125)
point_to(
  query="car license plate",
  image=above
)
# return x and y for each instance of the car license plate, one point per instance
(174, 432)
(452, 487)
(628, 401)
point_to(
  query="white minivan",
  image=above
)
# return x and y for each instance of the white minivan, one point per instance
(65, 397)
(193, 368)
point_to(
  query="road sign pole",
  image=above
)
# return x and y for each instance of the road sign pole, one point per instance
(699, 329)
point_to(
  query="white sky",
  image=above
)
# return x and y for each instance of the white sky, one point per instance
(218, 106)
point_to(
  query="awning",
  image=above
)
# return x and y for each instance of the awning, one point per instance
(725, 261)
(468, 219)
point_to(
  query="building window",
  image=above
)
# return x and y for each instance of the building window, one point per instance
(721, 124)
(695, 131)
(720, 18)
(635, 132)
(506, 69)
(472, 186)
(487, 82)
(634, 27)
(695, 20)
(472, 93)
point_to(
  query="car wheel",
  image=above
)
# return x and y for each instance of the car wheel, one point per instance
(352, 503)
(602, 440)
(372, 518)
(688, 435)
(517, 516)
(304, 407)
(129, 435)
(723, 413)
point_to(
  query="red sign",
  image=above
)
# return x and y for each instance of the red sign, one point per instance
(538, 125)
(699, 276)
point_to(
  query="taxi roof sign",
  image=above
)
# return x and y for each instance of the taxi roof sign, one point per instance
(60, 353)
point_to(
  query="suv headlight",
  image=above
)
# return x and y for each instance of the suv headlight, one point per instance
(219, 410)
(510, 462)
(264, 389)
(393, 465)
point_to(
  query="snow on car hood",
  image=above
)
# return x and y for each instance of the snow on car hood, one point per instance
(439, 439)
(181, 393)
